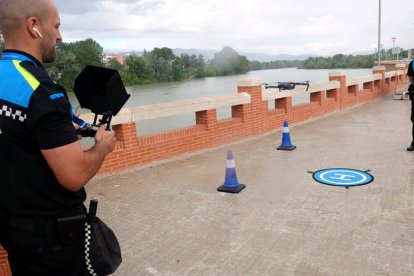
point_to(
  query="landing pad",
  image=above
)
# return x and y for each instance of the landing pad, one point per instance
(343, 177)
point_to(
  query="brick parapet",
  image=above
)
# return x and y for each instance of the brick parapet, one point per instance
(247, 120)
(342, 92)
(4, 263)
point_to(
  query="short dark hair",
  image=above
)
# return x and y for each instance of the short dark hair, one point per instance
(13, 13)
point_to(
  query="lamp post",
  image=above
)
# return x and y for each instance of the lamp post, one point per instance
(393, 47)
(379, 34)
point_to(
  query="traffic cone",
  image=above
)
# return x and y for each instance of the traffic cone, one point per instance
(286, 144)
(231, 184)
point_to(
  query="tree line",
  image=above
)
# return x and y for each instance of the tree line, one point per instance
(158, 65)
(161, 65)
(349, 61)
(339, 61)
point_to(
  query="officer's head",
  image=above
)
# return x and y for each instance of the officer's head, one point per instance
(31, 26)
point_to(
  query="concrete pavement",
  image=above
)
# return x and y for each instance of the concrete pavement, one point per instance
(170, 220)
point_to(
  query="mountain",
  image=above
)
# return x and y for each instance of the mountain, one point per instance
(209, 54)
(266, 58)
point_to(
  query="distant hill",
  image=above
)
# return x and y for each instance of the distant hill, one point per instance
(266, 58)
(209, 54)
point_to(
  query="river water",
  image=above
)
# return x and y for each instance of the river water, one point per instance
(211, 87)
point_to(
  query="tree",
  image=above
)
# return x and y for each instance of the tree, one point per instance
(200, 66)
(339, 61)
(242, 65)
(140, 69)
(161, 60)
(179, 69)
(64, 69)
(164, 52)
(113, 63)
(190, 67)
(71, 58)
(87, 52)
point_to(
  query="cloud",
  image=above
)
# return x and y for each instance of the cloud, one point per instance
(78, 7)
(275, 27)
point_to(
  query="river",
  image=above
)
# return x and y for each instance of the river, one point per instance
(210, 87)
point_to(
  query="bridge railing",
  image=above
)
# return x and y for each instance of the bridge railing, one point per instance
(155, 111)
(250, 115)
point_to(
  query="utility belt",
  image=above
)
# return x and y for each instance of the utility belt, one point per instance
(63, 230)
(411, 91)
(102, 250)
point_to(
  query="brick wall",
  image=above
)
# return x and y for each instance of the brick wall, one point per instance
(4, 263)
(247, 120)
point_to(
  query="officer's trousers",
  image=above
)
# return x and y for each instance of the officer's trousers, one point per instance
(412, 120)
(41, 253)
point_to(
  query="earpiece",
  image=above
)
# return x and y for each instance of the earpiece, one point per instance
(37, 31)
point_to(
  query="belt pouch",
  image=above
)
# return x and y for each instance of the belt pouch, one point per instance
(70, 229)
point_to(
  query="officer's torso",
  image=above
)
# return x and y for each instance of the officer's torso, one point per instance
(27, 184)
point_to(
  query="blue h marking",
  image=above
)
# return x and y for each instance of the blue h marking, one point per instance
(342, 177)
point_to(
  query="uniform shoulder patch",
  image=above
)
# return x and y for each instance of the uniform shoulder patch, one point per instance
(56, 96)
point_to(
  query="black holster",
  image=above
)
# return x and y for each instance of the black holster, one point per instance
(411, 91)
(71, 229)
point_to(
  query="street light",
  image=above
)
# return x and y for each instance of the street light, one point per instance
(379, 34)
(393, 47)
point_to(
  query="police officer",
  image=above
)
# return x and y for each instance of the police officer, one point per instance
(43, 168)
(410, 75)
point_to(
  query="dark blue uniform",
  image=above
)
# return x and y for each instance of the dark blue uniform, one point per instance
(35, 114)
(410, 73)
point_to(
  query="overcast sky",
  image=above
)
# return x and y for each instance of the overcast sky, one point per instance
(318, 27)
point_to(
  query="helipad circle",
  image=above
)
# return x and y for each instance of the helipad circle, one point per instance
(342, 177)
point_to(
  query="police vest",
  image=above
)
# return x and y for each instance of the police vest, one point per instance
(34, 115)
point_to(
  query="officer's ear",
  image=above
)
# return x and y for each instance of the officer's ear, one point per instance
(32, 24)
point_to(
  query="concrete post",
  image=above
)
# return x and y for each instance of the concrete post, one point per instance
(284, 104)
(240, 111)
(340, 76)
(258, 107)
(380, 70)
(126, 134)
(207, 118)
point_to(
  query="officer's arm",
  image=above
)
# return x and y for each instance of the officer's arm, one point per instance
(411, 79)
(73, 166)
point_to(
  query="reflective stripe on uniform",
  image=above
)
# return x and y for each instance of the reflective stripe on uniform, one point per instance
(31, 80)
(16, 83)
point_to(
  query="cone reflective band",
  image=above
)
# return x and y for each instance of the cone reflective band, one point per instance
(231, 184)
(230, 160)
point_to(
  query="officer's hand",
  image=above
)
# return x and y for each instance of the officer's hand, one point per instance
(77, 127)
(105, 140)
